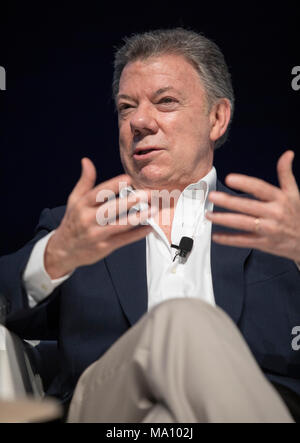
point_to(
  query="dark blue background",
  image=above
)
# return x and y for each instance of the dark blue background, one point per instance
(58, 106)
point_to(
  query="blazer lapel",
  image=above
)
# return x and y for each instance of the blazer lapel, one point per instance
(227, 266)
(127, 267)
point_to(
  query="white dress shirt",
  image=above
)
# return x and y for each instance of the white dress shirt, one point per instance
(190, 277)
(165, 278)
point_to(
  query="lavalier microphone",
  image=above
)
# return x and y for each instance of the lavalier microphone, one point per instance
(185, 246)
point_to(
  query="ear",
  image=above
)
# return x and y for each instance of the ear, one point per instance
(219, 117)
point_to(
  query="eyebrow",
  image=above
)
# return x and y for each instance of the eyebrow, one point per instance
(162, 90)
(156, 93)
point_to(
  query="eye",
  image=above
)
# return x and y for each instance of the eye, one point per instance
(167, 100)
(123, 106)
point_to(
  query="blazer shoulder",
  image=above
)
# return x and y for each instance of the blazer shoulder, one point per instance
(51, 218)
(58, 213)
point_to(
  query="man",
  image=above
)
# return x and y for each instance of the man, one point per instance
(91, 286)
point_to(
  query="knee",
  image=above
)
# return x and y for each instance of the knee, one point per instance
(189, 326)
(180, 327)
(180, 307)
(187, 313)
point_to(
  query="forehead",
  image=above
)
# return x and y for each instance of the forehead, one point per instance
(158, 72)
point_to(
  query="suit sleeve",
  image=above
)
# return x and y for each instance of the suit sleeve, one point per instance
(36, 281)
(39, 322)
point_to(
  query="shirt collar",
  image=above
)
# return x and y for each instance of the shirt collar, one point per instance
(206, 184)
(202, 187)
(198, 190)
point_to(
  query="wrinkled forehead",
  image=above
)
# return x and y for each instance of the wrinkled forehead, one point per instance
(154, 73)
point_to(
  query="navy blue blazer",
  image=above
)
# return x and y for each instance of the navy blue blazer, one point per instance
(98, 303)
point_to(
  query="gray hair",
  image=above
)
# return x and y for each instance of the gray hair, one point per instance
(202, 53)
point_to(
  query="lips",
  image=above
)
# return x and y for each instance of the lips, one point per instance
(144, 152)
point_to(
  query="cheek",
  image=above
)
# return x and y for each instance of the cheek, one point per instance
(190, 130)
(124, 137)
(198, 128)
(174, 126)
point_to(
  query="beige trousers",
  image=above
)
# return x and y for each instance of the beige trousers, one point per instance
(184, 361)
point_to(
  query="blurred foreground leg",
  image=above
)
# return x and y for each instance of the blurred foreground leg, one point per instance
(184, 361)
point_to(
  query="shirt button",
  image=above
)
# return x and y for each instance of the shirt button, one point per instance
(44, 287)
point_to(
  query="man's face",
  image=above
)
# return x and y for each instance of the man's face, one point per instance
(164, 126)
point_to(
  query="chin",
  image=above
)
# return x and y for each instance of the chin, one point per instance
(152, 176)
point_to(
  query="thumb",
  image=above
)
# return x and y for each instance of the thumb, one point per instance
(286, 177)
(86, 182)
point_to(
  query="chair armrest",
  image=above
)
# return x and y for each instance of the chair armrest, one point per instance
(18, 376)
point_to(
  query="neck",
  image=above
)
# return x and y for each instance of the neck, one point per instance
(173, 187)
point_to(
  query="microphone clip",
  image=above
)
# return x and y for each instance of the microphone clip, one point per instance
(185, 246)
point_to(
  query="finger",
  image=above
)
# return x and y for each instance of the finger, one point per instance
(133, 235)
(286, 177)
(259, 188)
(252, 241)
(134, 203)
(235, 221)
(115, 224)
(239, 240)
(239, 204)
(117, 208)
(106, 190)
(86, 182)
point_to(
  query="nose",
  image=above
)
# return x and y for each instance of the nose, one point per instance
(143, 122)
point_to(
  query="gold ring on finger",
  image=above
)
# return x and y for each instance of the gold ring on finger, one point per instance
(257, 224)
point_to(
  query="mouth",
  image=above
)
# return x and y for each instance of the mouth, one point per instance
(147, 152)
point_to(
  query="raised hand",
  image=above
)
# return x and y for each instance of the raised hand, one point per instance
(272, 221)
(80, 240)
